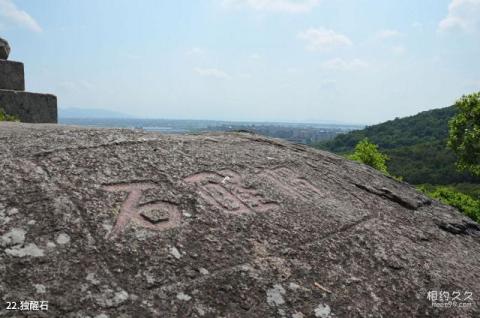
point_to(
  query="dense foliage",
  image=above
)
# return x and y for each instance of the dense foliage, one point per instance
(424, 127)
(5, 117)
(464, 136)
(367, 153)
(417, 150)
(429, 162)
(467, 204)
(416, 146)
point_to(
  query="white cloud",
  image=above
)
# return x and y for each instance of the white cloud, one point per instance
(13, 15)
(328, 83)
(387, 34)
(462, 14)
(417, 25)
(436, 59)
(212, 72)
(344, 65)
(290, 6)
(399, 50)
(322, 39)
(245, 75)
(133, 57)
(196, 51)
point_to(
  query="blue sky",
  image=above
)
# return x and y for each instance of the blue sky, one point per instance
(354, 61)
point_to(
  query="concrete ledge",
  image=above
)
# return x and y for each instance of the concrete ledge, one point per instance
(29, 107)
(12, 75)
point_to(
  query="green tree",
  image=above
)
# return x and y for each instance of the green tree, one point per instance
(367, 153)
(464, 133)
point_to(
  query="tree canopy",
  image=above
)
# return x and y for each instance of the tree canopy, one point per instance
(416, 146)
(464, 133)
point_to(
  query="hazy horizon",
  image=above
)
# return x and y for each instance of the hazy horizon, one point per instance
(308, 61)
(93, 113)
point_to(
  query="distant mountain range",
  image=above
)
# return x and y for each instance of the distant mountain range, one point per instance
(416, 145)
(73, 112)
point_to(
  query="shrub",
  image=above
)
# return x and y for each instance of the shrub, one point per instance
(447, 195)
(5, 117)
(367, 153)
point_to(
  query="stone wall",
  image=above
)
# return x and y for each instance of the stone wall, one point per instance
(28, 107)
(11, 75)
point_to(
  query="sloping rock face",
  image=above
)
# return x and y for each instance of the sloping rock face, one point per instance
(117, 223)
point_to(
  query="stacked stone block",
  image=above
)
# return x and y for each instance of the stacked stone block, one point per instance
(14, 100)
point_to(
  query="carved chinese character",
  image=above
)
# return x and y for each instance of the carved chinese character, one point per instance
(224, 190)
(156, 216)
(291, 184)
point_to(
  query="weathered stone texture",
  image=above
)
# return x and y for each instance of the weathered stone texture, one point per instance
(117, 223)
(29, 107)
(12, 75)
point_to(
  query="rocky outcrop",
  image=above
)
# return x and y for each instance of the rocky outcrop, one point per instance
(28, 107)
(4, 49)
(117, 223)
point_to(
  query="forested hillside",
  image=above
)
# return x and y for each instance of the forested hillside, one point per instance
(416, 145)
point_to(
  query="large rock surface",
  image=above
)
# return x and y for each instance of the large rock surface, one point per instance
(117, 223)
